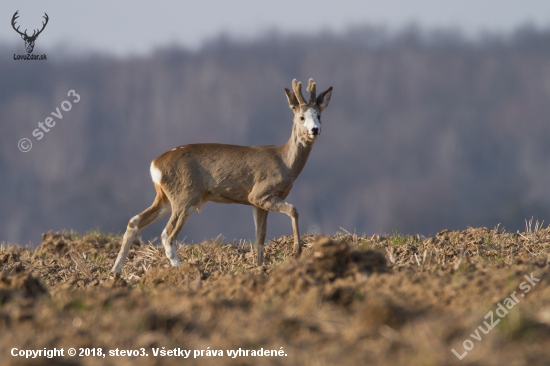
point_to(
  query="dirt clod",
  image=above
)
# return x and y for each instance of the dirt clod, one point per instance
(21, 282)
(172, 276)
(117, 281)
(55, 243)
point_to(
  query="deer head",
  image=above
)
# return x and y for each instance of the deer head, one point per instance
(29, 40)
(307, 116)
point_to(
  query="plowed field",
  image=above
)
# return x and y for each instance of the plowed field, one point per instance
(349, 300)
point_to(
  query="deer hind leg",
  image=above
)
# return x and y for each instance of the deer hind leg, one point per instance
(260, 221)
(159, 209)
(170, 233)
(274, 203)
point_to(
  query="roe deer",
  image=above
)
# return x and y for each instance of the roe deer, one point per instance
(187, 177)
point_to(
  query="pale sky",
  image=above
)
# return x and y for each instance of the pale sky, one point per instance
(127, 27)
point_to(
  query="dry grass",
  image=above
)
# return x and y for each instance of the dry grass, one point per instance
(350, 300)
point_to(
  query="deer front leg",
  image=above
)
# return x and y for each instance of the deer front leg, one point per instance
(274, 203)
(260, 221)
(170, 234)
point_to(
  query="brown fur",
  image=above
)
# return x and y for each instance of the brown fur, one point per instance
(261, 176)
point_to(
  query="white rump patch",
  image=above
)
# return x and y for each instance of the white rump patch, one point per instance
(311, 120)
(155, 174)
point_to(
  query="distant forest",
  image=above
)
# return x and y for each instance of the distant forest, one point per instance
(425, 131)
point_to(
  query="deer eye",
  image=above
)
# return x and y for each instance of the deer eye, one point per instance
(302, 118)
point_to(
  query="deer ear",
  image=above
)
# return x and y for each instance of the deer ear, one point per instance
(292, 101)
(324, 98)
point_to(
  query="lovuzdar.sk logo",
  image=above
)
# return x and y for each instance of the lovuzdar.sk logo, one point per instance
(29, 40)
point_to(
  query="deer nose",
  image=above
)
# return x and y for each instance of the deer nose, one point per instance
(315, 130)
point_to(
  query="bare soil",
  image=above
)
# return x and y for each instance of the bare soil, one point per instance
(349, 300)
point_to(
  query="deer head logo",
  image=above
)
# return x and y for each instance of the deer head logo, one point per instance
(29, 40)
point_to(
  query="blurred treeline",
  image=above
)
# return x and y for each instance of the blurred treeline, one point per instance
(425, 131)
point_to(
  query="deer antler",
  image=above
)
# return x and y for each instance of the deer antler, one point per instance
(43, 26)
(34, 34)
(15, 16)
(312, 92)
(297, 87)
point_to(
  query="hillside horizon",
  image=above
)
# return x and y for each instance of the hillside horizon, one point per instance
(424, 132)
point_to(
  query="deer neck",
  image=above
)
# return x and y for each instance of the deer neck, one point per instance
(295, 152)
